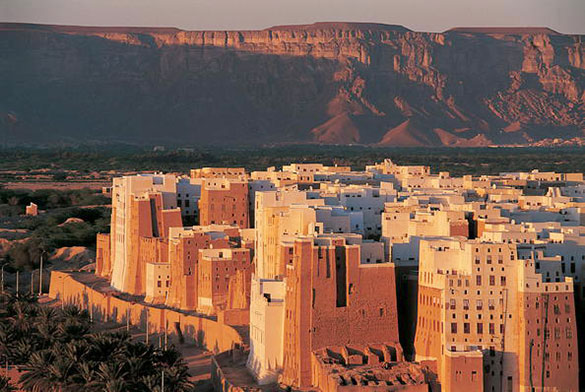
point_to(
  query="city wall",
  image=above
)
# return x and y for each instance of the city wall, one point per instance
(104, 305)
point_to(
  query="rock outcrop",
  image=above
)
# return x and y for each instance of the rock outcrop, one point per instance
(337, 83)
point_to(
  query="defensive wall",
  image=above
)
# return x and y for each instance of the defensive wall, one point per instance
(94, 294)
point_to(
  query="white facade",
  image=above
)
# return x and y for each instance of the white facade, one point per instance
(266, 329)
(188, 195)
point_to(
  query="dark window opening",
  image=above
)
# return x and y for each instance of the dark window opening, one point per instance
(341, 277)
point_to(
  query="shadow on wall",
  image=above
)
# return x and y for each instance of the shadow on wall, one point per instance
(203, 332)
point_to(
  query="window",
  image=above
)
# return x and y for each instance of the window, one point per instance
(502, 280)
(466, 328)
(478, 280)
(492, 328)
(479, 304)
(480, 328)
(492, 280)
(452, 304)
(453, 327)
(465, 304)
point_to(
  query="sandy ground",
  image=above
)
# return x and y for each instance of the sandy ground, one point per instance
(13, 374)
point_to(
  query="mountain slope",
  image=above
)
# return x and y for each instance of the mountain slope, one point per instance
(337, 83)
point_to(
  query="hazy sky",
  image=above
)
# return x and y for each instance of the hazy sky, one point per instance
(566, 16)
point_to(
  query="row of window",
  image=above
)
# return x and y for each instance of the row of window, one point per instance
(478, 281)
(159, 283)
(489, 250)
(478, 304)
(557, 333)
(489, 259)
(180, 203)
(479, 328)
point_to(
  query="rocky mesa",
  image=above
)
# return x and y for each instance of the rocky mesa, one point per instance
(332, 83)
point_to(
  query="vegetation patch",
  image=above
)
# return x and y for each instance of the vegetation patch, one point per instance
(57, 351)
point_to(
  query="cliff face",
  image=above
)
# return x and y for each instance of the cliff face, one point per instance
(328, 83)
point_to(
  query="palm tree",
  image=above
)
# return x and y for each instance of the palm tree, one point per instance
(151, 382)
(175, 370)
(176, 378)
(22, 350)
(35, 376)
(103, 346)
(46, 332)
(137, 367)
(86, 372)
(8, 337)
(20, 318)
(114, 386)
(61, 373)
(60, 355)
(75, 351)
(71, 312)
(110, 377)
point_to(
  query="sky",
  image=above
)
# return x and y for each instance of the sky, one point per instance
(566, 16)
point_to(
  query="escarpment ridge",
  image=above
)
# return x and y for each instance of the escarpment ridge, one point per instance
(329, 82)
